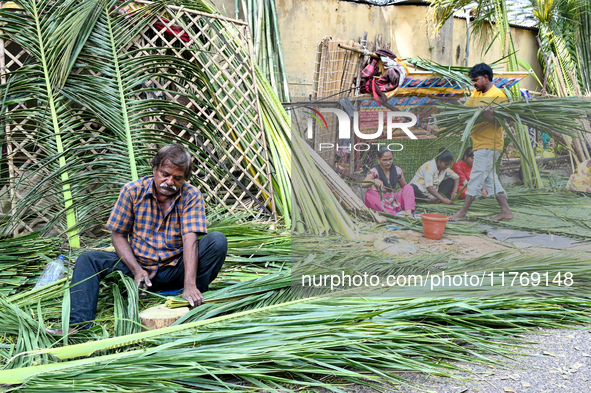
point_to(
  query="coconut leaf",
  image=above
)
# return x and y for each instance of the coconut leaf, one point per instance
(109, 93)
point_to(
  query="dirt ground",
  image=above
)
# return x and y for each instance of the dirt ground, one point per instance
(468, 246)
(549, 361)
(552, 361)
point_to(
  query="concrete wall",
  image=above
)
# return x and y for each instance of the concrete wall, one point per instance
(305, 22)
(226, 7)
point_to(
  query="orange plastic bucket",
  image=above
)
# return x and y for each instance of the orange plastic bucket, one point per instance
(434, 225)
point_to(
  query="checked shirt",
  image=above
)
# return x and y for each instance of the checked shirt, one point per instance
(156, 237)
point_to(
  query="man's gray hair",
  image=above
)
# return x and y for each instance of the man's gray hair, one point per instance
(177, 155)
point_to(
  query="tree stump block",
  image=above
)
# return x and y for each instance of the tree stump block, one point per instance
(160, 316)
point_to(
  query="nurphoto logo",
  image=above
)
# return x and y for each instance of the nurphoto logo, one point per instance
(345, 131)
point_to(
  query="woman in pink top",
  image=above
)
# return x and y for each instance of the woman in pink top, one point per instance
(385, 177)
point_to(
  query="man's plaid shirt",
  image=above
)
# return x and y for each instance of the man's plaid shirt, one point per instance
(157, 239)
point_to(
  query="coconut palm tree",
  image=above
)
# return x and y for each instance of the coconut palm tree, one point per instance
(564, 44)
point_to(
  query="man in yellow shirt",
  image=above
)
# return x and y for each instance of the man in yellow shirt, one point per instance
(487, 144)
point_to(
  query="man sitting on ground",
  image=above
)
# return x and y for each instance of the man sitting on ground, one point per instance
(154, 226)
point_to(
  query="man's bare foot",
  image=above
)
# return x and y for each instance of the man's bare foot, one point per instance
(457, 217)
(502, 216)
(60, 332)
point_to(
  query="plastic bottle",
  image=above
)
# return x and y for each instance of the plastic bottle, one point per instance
(52, 272)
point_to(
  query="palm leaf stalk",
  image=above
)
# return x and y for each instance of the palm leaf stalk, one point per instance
(53, 34)
(314, 206)
(275, 123)
(262, 17)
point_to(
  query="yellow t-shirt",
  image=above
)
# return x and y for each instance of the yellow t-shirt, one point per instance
(487, 135)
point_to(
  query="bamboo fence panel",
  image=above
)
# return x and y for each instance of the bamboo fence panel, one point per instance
(237, 173)
(334, 78)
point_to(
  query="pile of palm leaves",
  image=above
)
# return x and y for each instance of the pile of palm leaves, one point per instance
(254, 250)
(263, 335)
(22, 260)
(306, 197)
(331, 257)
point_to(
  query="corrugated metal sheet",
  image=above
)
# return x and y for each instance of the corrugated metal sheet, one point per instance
(377, 2)
(519, 11)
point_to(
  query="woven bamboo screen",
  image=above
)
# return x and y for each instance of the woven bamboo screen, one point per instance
(239, 176)
(334, 78)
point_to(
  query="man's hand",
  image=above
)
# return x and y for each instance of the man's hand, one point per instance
(488, 112)
(190, 259)
(121, 244)
(448, 201)
(142, 279)
(193, 296)
(453, 195)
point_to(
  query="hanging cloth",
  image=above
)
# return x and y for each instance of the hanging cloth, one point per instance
(375, 82)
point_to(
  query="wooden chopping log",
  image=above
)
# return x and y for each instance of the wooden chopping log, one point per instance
(161, 316)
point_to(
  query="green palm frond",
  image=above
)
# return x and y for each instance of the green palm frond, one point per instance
(108, 114)
(53, 34)
(440, 11)
(560, 23)
(357, 339)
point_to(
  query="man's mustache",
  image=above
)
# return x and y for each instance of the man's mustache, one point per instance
(171, 187)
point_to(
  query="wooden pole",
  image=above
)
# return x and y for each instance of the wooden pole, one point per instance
(360, 51)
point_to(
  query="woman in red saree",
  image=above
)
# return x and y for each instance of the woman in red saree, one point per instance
(463, 169)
